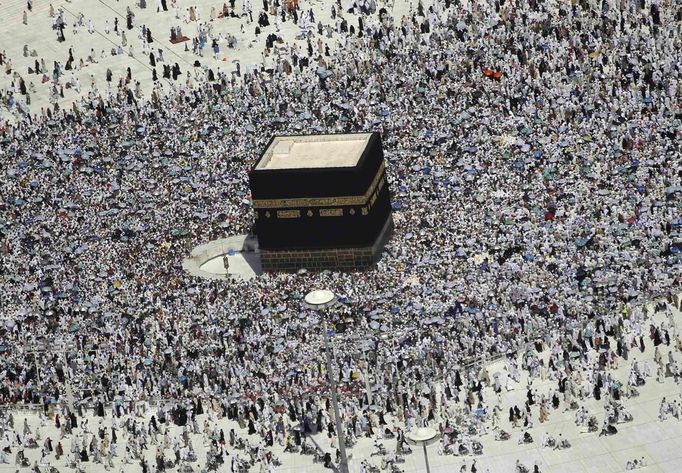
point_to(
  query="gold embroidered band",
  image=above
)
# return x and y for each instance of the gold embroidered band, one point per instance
(321, 201)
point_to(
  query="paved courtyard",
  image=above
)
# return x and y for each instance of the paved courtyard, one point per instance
(646, 436)
(657, 441)
(39, 36)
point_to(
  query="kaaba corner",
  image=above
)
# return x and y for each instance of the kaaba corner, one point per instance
(321, 202)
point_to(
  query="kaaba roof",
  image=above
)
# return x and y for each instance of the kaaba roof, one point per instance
(314, 151)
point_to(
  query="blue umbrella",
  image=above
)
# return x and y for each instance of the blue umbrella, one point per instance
(323, 73)
(580, 242)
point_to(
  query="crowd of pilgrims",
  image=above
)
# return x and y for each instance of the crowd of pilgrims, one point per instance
(533, 157)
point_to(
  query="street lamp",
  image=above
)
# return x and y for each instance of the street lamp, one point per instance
(423, 436)
(319, 300)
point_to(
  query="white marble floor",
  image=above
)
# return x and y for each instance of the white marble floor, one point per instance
(38, 35)
(207, 260)
(658, 442)
(240, 264)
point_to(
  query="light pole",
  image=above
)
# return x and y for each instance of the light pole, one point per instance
(423, 436)
(319, 300)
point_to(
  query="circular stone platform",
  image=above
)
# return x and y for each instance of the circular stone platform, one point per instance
(243, 256)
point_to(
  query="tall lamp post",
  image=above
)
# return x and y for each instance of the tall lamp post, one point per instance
(319, 300)
(423, 436)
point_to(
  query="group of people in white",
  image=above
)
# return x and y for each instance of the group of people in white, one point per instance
(532, 154)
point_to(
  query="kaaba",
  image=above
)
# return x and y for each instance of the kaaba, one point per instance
(321, 202)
